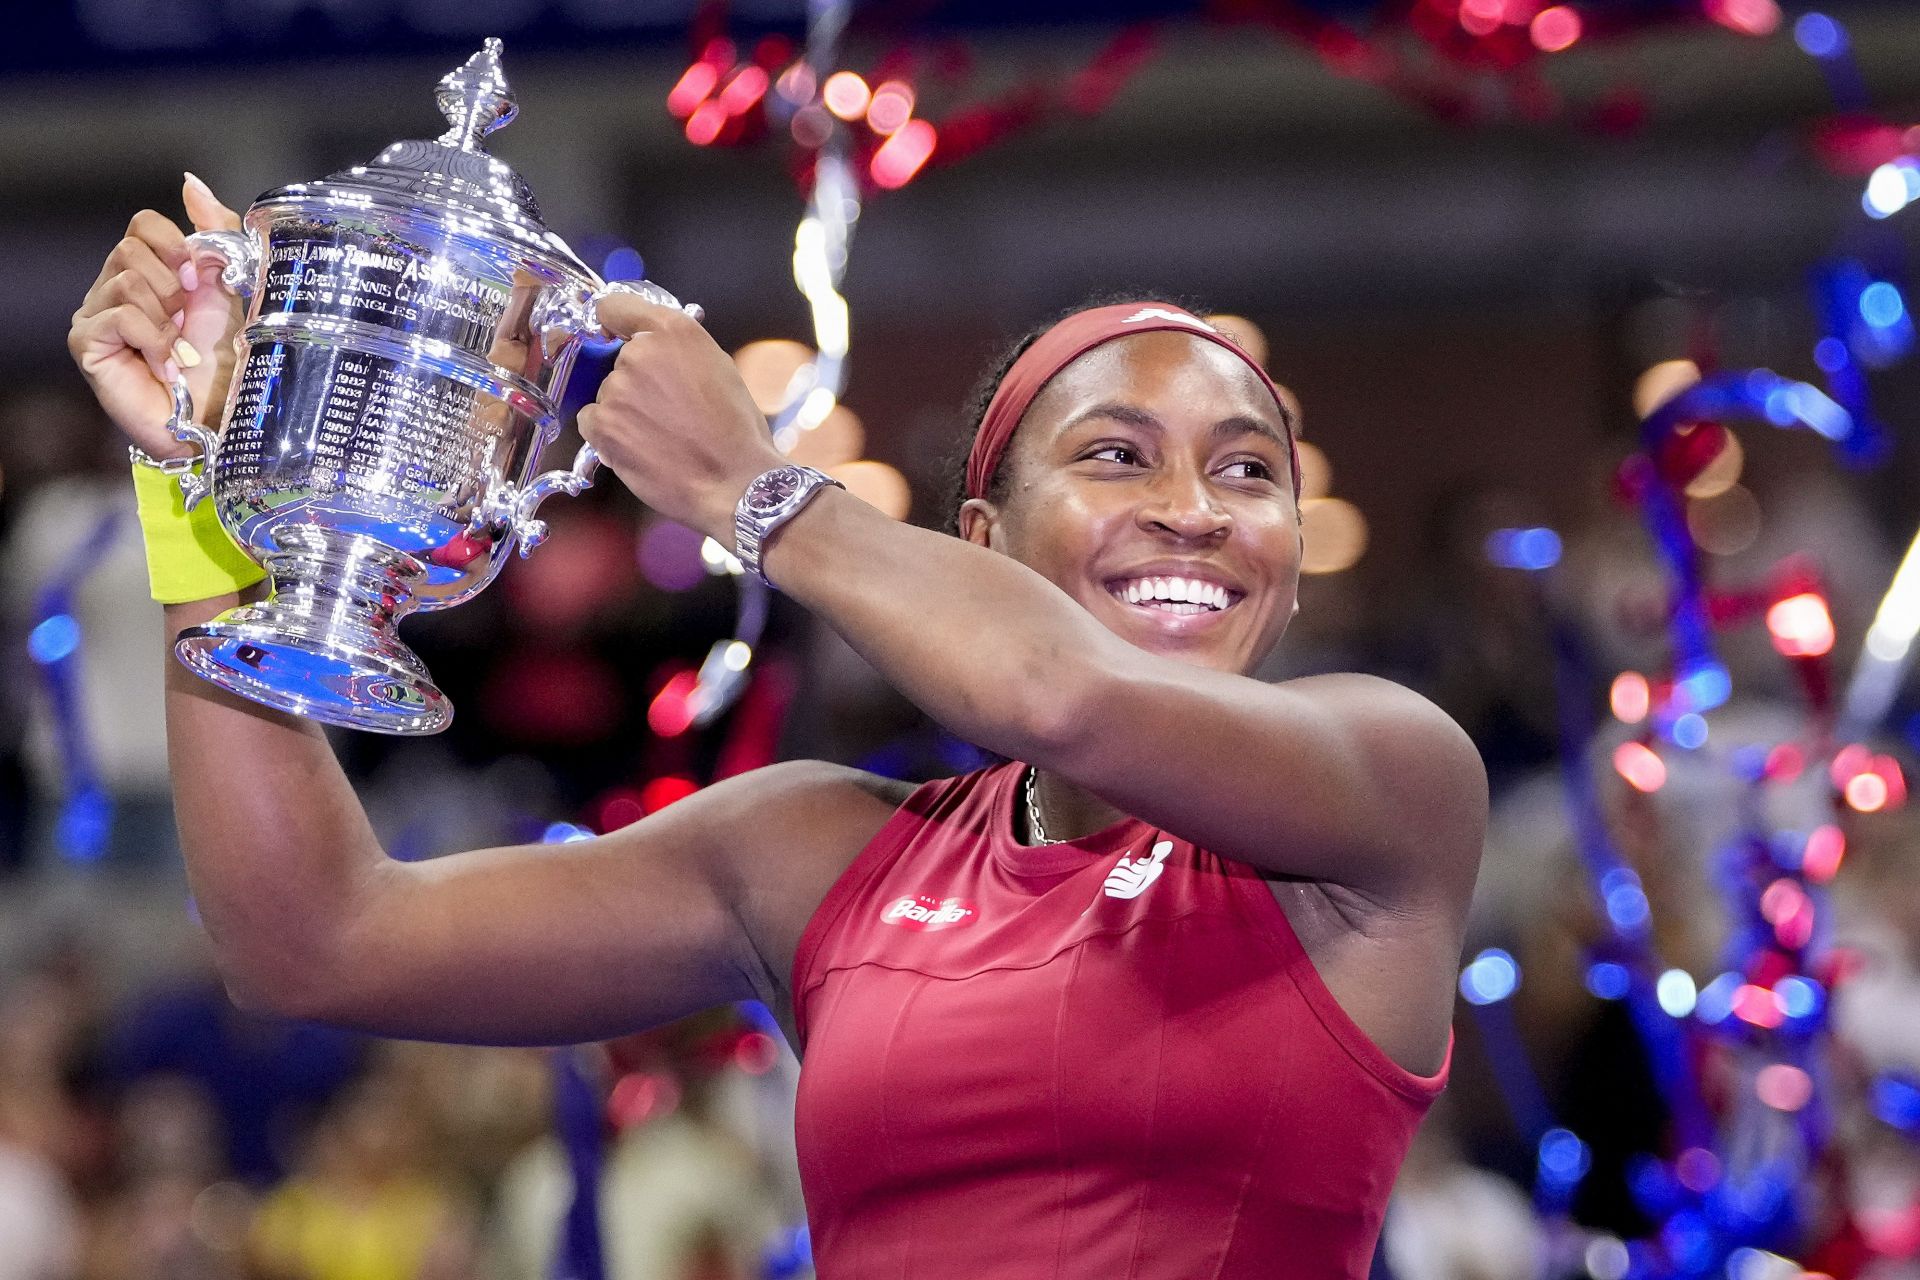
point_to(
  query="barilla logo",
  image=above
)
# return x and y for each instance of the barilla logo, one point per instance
(923, 913)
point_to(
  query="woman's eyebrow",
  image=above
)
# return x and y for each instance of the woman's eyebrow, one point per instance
(1228, 428)
(1242, 425)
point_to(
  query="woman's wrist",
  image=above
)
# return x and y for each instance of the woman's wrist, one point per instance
(189, 554)
(723, 498)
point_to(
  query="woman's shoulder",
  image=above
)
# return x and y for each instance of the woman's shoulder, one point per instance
(827, 791)
(796, 829)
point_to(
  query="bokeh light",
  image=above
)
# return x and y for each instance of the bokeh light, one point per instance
(53, 638)
(1676, 992)
(745, 90)
(1723, 472)
(692, 89)
(768, 368)
(1334, 534)
(1697, 1169)
(1757, 1006)
(1826, 847)
(1630, 698)
(1607, 1258)
(1689, 731)
(1243, 331)
(1316, 473)
(1891, 187)
(1801, 626)
(846, 95)
(1881, 305)
(1533, 548)
(890, 107)
(1661, 383)
(1783, 1087)
(669, 554)
(840, 438)
(1492, 975)
(1866, 792)
(1608, 981)
(903, 154)
(665, 790)
(1819, 36)
(1748, 17)
(1640, 765)
(876, 484)
(1555, 30)
(706, 122)
(1725, 524)
(671, 712)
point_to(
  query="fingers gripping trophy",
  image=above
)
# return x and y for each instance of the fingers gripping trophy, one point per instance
(409, 328)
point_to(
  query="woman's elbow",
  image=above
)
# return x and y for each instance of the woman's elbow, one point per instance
(279, 988)
(1059, 714)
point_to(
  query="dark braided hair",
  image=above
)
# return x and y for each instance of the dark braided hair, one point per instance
(954, 470)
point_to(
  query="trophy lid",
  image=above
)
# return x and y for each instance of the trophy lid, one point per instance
(453, 175)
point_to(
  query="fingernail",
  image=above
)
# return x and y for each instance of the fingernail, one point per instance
(194, 179)
(171, 369)
(183, 352)
(189, 276)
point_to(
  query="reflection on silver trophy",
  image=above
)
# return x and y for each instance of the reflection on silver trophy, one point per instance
(410, 327)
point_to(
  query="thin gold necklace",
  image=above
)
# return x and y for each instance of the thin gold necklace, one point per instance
(1035, 827)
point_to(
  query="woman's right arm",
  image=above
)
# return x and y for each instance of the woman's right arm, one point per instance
(309, 916)
(533, 944)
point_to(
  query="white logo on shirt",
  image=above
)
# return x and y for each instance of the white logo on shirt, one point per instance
(1133, 877)
(1161, 313)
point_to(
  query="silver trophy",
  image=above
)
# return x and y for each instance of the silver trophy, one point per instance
(410, 327)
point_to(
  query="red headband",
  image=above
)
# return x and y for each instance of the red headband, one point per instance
(1066, 342)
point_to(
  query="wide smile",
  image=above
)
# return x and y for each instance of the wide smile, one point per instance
(1178, 605)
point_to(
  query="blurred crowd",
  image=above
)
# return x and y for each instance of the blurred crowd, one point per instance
(149, 1130)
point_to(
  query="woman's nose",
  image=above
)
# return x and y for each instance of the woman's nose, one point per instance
(1185, 505)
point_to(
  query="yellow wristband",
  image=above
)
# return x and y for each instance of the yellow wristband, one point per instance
(189, 555)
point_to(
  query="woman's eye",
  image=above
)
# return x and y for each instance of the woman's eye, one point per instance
(1255, 470)
(1116, 452)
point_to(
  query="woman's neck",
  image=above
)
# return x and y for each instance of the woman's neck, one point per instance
(1066, 811)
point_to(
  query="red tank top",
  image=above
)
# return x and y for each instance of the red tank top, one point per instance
(1109, 1059)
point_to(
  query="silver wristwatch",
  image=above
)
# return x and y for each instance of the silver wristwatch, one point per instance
(770, 501)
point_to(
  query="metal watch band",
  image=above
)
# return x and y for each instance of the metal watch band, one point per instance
(752, 529)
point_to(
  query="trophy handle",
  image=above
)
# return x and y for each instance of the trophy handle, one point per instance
(193, 485)
(237, 257)
(234, 251)
(580, 314)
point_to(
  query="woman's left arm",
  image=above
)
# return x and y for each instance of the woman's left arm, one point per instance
(1345, 778)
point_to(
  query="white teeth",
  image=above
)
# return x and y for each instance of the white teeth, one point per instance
(1176, 595)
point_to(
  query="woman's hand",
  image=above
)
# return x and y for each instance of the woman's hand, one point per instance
(151, 314)
(673, 419)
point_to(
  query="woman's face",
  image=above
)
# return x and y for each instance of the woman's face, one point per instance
(1149, 480)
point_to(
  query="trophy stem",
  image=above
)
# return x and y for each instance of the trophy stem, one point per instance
(324, 643)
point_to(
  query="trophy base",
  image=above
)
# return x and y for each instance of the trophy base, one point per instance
(323, 645)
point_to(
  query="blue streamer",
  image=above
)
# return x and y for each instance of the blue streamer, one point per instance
(86, 814)
(577, 1115)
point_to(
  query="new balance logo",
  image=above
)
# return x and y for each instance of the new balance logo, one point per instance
(1161, 313)
(1135, 876)
(923, 914)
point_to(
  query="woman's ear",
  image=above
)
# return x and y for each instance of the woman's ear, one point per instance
(980, 523)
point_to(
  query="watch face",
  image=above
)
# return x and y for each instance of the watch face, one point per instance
(774, 488)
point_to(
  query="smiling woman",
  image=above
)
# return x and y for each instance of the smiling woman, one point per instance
(1164, 994)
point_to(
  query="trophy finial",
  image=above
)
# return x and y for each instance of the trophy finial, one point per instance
(475, 98)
